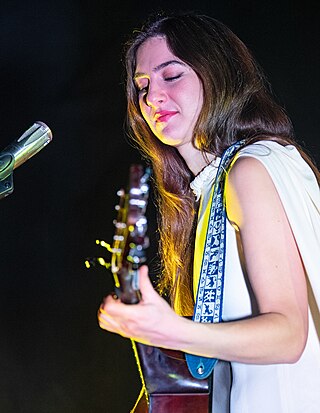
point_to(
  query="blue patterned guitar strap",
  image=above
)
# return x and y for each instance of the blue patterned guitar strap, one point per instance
(208, 307)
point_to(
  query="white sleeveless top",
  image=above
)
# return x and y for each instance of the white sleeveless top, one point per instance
(276, 388)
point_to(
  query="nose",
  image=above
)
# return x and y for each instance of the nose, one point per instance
(155, 95)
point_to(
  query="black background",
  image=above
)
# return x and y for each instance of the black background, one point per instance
(61, 63)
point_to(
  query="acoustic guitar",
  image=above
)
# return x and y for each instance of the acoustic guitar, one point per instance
(167, 385)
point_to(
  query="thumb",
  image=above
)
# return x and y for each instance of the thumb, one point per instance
(145, 284)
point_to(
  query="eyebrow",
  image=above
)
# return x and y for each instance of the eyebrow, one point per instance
(159, 67)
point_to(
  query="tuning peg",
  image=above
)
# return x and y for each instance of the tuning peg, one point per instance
(118, 238)
(120, 225)
(120, 192)
(104, 245)
(92, 262)
(102, 262)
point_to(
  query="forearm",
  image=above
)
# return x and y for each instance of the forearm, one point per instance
(272, 337)
(265, 339)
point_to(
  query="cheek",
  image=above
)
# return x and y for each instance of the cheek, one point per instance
(191, 96)
(197, 103)
(145, 111)
(193, 104)
(142, 107)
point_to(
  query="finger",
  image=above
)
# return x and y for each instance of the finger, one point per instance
(109, 302)
(105, 321)
(112, 313)
(145, 284)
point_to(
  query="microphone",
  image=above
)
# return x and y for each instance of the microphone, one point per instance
(20, 150)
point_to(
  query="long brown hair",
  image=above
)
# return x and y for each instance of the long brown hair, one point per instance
(238, 104)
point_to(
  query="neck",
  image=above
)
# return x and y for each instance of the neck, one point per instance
(194, 158)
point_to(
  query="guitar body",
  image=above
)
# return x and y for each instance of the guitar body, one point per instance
(168, 384)
(176, 403)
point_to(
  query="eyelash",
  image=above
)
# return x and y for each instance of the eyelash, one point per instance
(167, 79)
(171, 78)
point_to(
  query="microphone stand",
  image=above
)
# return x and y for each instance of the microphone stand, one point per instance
(19, 151)
(6, 175)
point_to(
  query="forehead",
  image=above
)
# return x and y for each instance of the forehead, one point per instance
(152, 53)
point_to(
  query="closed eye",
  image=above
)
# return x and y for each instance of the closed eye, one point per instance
(172, 78)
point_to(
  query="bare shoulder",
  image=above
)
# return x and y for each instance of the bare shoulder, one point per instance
(249, 191)
(247, 169)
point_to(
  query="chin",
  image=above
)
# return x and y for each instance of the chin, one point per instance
(171, 142)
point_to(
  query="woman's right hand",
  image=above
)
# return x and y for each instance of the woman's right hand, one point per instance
(151, 321)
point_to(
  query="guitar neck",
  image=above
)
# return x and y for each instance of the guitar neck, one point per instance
(128, 289)
(130, 240)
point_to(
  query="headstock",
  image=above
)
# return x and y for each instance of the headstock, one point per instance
(128, 250)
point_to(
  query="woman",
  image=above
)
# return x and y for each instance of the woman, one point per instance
(194, 91)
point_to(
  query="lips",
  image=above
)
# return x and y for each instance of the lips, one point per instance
(164, 115)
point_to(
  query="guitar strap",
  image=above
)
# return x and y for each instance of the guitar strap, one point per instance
(209, 302)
